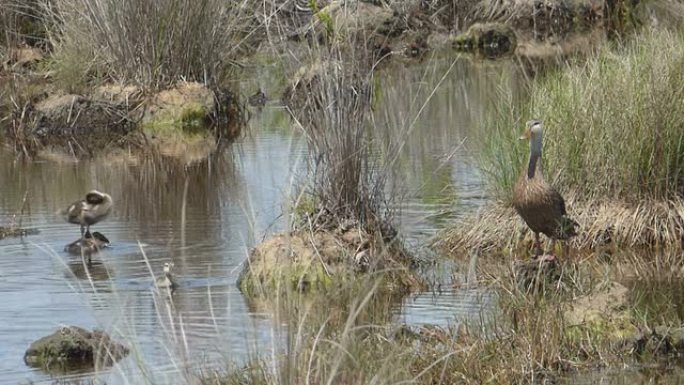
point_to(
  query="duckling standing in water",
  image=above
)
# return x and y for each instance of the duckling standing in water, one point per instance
(167, 280)
(95, 207)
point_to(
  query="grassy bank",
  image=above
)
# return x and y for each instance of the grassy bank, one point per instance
(614, 145)
(581, 320)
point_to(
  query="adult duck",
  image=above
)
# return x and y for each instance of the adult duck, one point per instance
(95, 207)
(537, 202)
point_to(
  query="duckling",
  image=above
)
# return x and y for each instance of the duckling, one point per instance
(95, 207)
(167, 280)
(88, 245)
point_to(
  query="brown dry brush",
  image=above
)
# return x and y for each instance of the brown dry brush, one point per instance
(605, 225)
(153, 44)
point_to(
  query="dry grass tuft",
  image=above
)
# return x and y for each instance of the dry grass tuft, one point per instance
(603, 224)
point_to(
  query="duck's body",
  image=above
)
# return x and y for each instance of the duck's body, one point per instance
(537, 202)
(88, 245)
(166, 281)
(95, 207)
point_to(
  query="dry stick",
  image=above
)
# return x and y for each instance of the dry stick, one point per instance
(21, 213)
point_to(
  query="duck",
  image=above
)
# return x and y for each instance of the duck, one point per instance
(95, 207)
(166, 281)
(539, 204)
(88, 245)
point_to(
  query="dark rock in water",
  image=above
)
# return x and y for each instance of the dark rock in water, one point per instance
(16, 232)
(90, 244)
(536, 274)
(72, 347)
(490, 39)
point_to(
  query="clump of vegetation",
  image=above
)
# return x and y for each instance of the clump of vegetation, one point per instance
(614, 126)
(614, 145)
(152, 44)
(581, 319)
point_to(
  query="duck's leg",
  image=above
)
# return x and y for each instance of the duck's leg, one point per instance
(82, 232)
(537, 245)
(553, 247)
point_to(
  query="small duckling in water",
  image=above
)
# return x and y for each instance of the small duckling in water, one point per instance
(167, 280)
(90, 244)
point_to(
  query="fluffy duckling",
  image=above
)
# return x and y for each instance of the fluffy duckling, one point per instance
(95, 207)
(166, 281)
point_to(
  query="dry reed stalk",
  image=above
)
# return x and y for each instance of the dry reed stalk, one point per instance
(603, 223)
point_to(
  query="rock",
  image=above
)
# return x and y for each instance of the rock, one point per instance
(340, 19)
(90, 244)
(604, 314)
(72, 347)
(120, 95)
(188, 105)
(305, 261)
(177, 121)
(490, 39)
(608, 304)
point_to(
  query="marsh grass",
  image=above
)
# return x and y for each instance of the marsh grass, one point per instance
(614, 124)
(614, 147)
(526, 338)
(153, 44)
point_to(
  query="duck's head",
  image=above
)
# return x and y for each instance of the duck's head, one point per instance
(533, 129)
(167, 267)
(97, 197)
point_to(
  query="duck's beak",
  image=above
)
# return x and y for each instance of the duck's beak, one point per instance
(526, 135)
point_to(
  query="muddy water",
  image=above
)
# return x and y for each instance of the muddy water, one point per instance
(205, 217)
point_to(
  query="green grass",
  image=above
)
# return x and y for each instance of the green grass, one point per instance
(614, 125)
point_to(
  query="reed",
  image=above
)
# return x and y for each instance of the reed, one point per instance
(149, 43)
(614, 125)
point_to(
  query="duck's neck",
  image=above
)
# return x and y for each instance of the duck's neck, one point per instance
(534, 165)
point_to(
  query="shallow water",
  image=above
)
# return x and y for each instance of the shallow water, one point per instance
(205, 217)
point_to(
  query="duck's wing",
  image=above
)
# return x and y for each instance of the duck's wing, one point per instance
(74, 211)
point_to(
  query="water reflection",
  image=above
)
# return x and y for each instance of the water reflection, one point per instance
(205, 216)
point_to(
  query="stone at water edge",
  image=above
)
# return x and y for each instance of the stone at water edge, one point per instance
(73, 347)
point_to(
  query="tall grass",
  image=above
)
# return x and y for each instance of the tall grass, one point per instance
(152, 43)
(614, 125)
(333, 109)
(19, 23)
